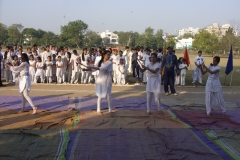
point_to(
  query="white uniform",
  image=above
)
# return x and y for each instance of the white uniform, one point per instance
(15, 74)
(85, 74)
(183, 73)
(39, 72)
(214, 95)
(2, 63)
(130, 62)
(121, 74)
(197, 71)
(95, 73)
(104, 84)
(24, 82)
(75, 70)
(32, 70)
(64, 69)
(59, 72)
(114, 61)
(69, 71)
(7, 70)
(146, 62)
(153, 87)
(49, 71)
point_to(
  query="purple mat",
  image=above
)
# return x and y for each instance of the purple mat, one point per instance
(62, 103)
(42, 102)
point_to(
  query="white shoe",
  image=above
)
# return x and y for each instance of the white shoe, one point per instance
(166, 94)
(175, 94)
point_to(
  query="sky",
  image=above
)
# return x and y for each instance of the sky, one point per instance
(119, 15)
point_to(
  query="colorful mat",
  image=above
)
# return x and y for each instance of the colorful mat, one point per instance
(33, 144)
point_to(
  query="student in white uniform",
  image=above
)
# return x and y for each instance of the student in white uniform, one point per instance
(199, 60)
(146, 61)
(130, 60)
(69, 67)
(153, 87)
(29, 52)
(59, 66)
(65, 63)
(6, 68)
(121, 72)
(97, 59)
(114, 59)
(125, 54)
(39, 73)
(35, 55)
(49, 65)
(90, 63)
(84, 62)
(32, 68)
(75, 67)
(24, 82)
(183, 67)
(104, 80)
(214, 95)
(15, 75)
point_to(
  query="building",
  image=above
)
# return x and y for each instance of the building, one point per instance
(182, 43)
(189, 30)
(219, 31)
(113, 38)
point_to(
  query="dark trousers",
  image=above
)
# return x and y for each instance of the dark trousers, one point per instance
(135, 69)
(169, 79)
(0, 72)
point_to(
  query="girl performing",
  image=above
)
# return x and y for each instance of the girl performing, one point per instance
(24, 81)
(104, 80)
(213, 89)
(153, 87)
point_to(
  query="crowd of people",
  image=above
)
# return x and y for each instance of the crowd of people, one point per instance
(105, 66)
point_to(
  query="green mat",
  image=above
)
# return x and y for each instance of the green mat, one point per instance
(33, 144)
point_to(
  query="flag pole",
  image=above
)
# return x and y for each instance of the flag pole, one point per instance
(231, 78)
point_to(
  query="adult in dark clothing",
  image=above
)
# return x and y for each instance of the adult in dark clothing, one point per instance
(170, 61)
(1, 59)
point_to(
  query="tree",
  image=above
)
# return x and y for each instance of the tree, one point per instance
(74, 32)
(92, 39)
(159, 38)
(28, 35)
(124, 38)
(229, 39)
(3, 33)
(13, 35)
(206, 42)
(171, 41)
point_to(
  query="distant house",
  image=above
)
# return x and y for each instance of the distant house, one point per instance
(219, 31)
(189, 30)
(113, 38)
(182, 43)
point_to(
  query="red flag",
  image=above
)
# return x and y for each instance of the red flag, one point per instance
(186, 57)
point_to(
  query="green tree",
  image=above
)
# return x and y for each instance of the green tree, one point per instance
(124, 38)
(171, 41)
(28, 35)
(149, 39)
(229, 39)
(206, 42)
(73, 33)
(159, 38)
(3, 33)
(92, 39)
(13, 35)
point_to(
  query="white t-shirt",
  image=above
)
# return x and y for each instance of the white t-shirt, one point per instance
(199, 60)
(183, 71)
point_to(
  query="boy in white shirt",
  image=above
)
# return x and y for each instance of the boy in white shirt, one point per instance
(184, 67)
(199, 61)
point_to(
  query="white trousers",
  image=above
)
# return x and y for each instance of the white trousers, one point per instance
(115, 76)
(41, 76)
(85, 77)
(150, 96)
(214, 99)
(8, 75)
(145, 75)
(121, 81)
(177, 79)
(74, 77)
(59, 79)
(32, 77)
(49, 79)
(109, 99)
(64, 77)
(25, 97)
(197, 74)
(183, 76)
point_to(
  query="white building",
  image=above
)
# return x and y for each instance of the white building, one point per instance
(182, 43)
(113, 38)
(189, 30)
(219, 30)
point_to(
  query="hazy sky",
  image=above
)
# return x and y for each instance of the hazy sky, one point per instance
(119, 15)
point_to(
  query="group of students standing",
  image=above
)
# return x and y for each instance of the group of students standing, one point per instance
(107, 66)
